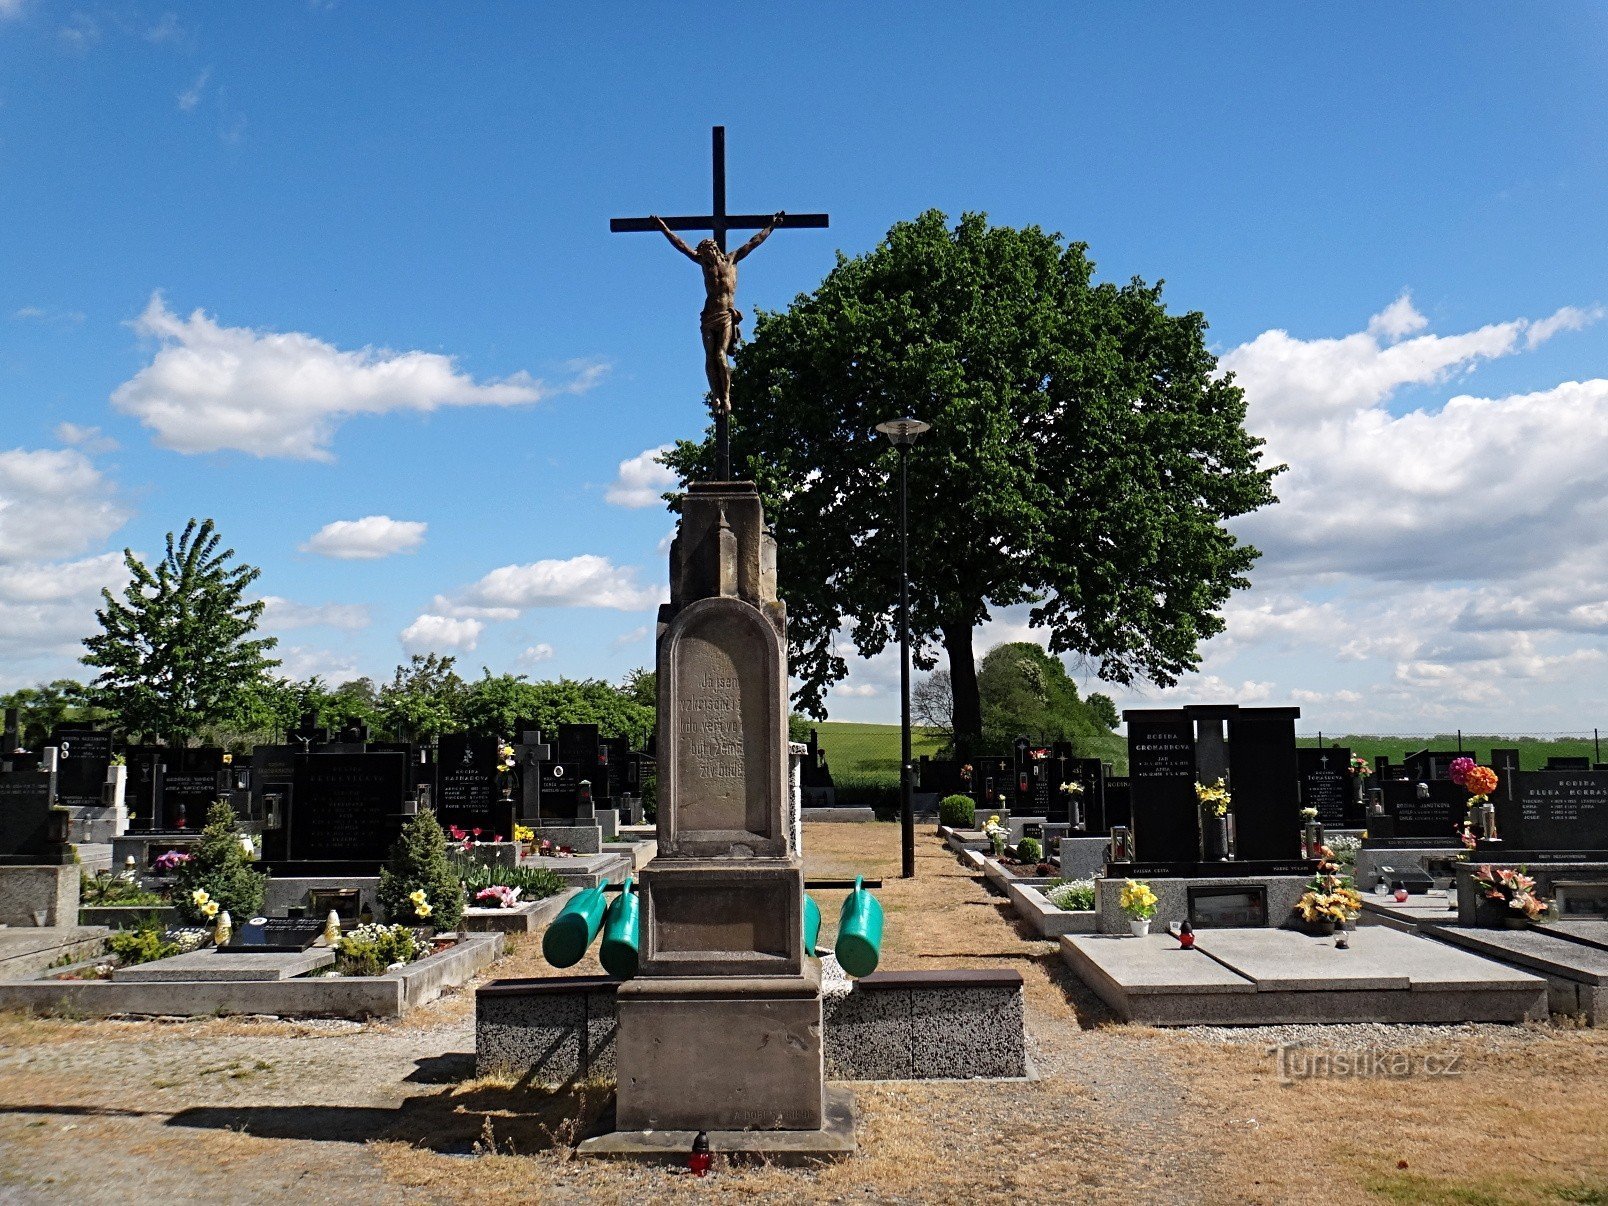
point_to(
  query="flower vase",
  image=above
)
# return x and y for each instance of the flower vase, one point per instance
(1214, 837)
(1321, 928)
(1490, 914)
(1139, 926)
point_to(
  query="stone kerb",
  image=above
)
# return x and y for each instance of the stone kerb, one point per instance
(723, 769)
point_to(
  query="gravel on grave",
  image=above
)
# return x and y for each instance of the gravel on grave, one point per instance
(1372, 1036)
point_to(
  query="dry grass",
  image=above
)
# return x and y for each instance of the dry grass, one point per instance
(1120, 1112)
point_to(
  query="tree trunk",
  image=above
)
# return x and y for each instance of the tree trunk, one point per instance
(968, 713)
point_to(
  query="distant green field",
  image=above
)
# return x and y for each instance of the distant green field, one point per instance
(1533, 751)
(869, 753)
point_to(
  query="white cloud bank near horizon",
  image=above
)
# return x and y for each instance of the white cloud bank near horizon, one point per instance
(1426, 567)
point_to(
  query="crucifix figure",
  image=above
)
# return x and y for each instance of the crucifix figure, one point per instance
(720, 318)
(720, 321)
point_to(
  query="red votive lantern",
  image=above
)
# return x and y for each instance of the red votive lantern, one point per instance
(699, 1160)
(1186, 935)
(1401, 893)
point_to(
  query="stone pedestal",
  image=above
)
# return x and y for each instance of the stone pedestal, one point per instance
(721, 1028)
(721, 1054)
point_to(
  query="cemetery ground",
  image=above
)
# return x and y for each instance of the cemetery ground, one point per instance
(235, 1110)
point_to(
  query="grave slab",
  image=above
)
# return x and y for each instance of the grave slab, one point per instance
(25, 952)
(1278, 960)
(214, 964)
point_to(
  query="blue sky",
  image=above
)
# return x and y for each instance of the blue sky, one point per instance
(300, 265)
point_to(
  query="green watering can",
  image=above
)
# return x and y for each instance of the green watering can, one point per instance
(859, 940)
(622, 935)
(812, 924)
(577, 923)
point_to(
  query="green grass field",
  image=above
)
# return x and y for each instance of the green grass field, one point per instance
(1533, 751)
(869, 753)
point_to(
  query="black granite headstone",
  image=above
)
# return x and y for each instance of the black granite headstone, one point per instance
(273, 774)
(1161, 773)
(25, 817)
(1555, 809)
(1265, 781)
(1118, 801)
(1326, 783)
(468, 787)
(81, 762)
(345, 807)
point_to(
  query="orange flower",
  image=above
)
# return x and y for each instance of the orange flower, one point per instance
(1480, 781)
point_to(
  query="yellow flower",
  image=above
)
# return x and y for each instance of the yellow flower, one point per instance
(199, 897)
(422, 910)
(210, 908)
(417, 896)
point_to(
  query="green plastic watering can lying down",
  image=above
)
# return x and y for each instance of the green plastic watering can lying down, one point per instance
(812, 924)
(622, 935)
(577, 923)
(859, 940)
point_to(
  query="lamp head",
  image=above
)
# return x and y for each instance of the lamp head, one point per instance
(903, 432)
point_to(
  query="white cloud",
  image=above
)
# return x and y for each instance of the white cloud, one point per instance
(857, 690)
(89, 439)
(10, 9)
(46, 610)
(81, 32)
(641, 480)
(301, 662)
(631, 638)
(53, 503)
(49, 314)
(583, 581)
(191, 96)
(536, 654)
(1397, 320)
(211, 387)
(433, 634)
(282, 613)
(366, 539)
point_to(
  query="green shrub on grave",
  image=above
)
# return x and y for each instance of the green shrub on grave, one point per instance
(142, 944)
(220, 868)
(1029, 850)
(957, 811)
(418, 884)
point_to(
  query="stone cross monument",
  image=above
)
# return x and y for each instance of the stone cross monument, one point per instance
(721, 1028)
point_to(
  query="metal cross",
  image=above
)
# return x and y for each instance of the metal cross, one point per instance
(719, 222)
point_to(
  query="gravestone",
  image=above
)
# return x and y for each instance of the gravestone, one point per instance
(1118, 794)
(1264, 776)
(30, 827)
(469, 788)
(82, 759)
(1161, 776)
(273, 782)
(1432, 764)
(1426, 812)
(1554, 809)
(1326, 783)
(721, 1029)
(345, 808)
(191, 781)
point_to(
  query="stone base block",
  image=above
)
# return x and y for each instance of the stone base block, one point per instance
(211, 963)
(833, 1140)
(547, 1031)
(1173, 903)
(39, 895)
(720, 917)
(282, 894)
(721, 1054)
(582, 839)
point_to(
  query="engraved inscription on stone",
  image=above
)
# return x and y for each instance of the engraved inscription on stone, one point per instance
(720, 727)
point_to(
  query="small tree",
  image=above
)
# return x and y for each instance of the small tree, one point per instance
(219, 866)
(418, 863)
(176, 655)
(425, 699)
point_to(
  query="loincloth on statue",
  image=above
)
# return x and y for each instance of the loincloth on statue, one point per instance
(725, 321)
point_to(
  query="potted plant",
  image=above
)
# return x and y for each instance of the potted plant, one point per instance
(1329, 901)
(1479, 782)
(997, 834)
(1214, 799)
(1506, 898)
(1139, 903)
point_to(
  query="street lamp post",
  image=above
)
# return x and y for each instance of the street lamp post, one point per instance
(903, 433)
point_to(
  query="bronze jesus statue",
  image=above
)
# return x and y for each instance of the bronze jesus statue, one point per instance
(720, 320)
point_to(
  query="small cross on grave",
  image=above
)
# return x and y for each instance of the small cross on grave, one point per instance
(306, 733)
(1324, 761)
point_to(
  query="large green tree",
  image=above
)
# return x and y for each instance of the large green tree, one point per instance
(424, 699)
(178, 653)
(1027, 692)
(1084, 455)
(41, 708)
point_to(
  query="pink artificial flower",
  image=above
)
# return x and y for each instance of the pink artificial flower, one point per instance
(1458, 771)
